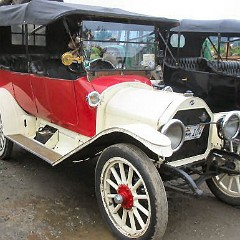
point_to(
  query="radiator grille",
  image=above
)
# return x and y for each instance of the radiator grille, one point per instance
(196, 146)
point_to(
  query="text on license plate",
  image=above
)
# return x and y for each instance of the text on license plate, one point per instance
(193, 132)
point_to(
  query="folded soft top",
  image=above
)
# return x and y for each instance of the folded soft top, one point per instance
(43, 12)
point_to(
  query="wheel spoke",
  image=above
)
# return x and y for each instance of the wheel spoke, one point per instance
(132, 221)
(1, 143)
(111, 183)
(130, 176)
(139, 218)
(238, 149)
(116, 209)
(137, 184)
(230, 183)
(238, 183)
(140, 197)
(111, 195)
(222, 178)
(122, 173)
(124, 216)
(142, 209)
(116, 176)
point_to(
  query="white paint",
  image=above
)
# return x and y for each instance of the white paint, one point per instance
(130, 103)
(152, 139)
(12, 115)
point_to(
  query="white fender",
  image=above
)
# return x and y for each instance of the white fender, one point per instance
(15, 120)
(150, 137)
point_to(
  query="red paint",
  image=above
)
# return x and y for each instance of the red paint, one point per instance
(5, 81)
(127, 196)
(41, 97)
(87, 114)
(60, 101)
(22, 90)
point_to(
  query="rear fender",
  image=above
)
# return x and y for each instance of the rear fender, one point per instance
(15, 120)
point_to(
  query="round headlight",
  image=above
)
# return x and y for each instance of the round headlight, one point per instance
(175, 131)
(93, 99)
(230, 125)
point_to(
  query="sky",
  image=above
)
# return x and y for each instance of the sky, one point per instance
(177, 9)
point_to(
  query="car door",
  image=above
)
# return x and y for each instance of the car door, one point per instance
(55, 100)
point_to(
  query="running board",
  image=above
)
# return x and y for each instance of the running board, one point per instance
(34, 147)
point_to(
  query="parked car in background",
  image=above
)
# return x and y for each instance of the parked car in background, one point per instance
(205, 59)
(75, 84)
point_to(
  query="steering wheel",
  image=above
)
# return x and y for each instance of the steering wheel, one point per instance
(100, 64)
(112, 55)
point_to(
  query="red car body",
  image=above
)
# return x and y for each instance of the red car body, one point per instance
(60, 101)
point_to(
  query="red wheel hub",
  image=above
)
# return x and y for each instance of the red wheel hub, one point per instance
(127, 196)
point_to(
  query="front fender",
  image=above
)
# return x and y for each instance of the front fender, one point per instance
(151, 138)
(144, 136)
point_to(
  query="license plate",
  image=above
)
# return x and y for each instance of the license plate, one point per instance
(193, 132)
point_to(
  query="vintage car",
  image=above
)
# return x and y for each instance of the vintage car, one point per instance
(75, 85)
(201, 59)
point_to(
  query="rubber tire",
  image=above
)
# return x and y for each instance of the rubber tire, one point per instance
(234, 201)
(6, 154)
(154, 184)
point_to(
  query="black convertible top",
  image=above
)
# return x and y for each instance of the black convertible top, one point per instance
(43, 12)
(208, 26)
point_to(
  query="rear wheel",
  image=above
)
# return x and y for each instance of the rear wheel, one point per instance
(5, 144)
(130, 193)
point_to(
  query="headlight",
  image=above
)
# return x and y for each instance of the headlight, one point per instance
(229, 125)
(175, 131)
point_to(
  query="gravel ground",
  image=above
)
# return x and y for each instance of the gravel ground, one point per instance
(40, 202)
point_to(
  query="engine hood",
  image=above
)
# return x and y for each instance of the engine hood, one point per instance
(102, 83)
(129, 103)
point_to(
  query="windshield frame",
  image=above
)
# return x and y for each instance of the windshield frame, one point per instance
(148, 32)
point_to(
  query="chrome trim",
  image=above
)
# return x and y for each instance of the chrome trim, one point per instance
(225, 121)
(168, 125)
(90, 98)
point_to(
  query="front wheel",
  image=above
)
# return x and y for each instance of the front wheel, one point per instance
(130, 193)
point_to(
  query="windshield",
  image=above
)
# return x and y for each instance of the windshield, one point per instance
(120, 46)
(229, 47)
